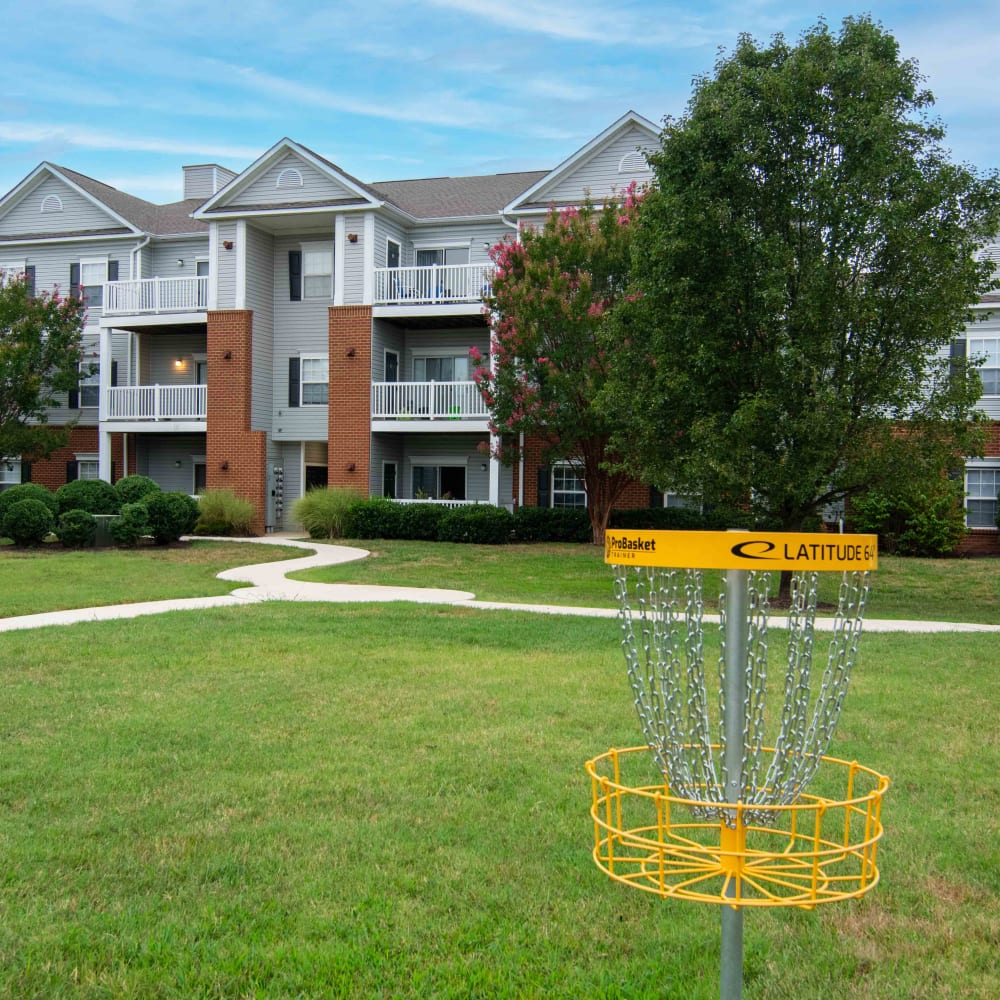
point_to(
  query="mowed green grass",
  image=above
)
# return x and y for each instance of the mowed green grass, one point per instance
(563, 574)
(389, 801)
(53, 578)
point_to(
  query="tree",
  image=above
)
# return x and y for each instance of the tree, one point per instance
(553, 293)
(802, 262)
(41, 346)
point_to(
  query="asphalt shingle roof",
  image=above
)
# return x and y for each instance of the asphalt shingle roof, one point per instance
(456, 197)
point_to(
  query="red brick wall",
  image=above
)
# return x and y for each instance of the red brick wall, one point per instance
(236, 456)
(51, 472)
(349, 430)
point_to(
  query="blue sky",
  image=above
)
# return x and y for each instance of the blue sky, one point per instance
(129, 91)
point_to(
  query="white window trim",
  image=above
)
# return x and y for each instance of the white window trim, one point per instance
(303, 358)
(13, 268)
(973, 353)
(87, 458)
(979, 465)
(308, 248)
(10, 471)
(552, 487)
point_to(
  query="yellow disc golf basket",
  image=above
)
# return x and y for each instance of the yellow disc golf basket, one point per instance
(733, 800)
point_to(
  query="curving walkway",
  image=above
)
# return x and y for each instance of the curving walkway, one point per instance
(268, 582)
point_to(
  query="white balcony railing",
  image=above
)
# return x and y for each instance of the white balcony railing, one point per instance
(158, 402)
(156, 295)
(427, 401)
(439, 503)
(432, 285)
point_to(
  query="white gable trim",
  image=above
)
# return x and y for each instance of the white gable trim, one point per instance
(280, 149)
(627, 120)
(19, 193)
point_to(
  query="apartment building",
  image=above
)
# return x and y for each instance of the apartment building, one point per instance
(291, 326)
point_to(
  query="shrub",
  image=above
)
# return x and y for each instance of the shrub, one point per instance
(131, 489)
(28, 522)
(420, 521)
(222, 512)
(76, 529)
(131, 525)
(376, 518)
(93, 495)
(682, 519)
(170, 515)
(28, 491)
(479, 524)
(923, 523)
(325, 513)
(552, 524)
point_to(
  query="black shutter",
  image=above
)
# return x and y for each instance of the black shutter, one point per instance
(544, 486)
(655, 497)
(72, 468)
(959, 352)
(74, 280)
(114, 478)
(112, 270)
(295, 276)
(293, 381)
(74, 401)
(29, 274)
(114, 373)
(26, 472)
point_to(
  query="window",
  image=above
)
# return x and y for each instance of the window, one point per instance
(317, 273)
(443, 255)
(391, 253)
(315, 381)
(199, 473)
(86, 467)
(11, 270)
(93, 274)
(439, 482)
(676, 500)
(201, 270)
(988, 348)
(454, 368)
(10, 472)
(90, 385)
(567, 487)
(389, 480)
(981, 488)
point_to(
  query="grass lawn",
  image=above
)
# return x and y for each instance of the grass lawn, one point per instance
(54, 578)
(389, 801)
(918, 589)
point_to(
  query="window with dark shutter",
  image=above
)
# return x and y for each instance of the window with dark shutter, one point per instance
(74, 280)
(112, 270)
(72, 469)
(29, 277)
(26, 472)
(74, 399)
(294, 381)
(295, 276)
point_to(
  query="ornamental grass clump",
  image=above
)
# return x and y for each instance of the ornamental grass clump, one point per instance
(326, 513)
(222, 512)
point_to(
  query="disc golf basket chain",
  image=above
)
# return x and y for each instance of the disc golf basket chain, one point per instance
(727, 816)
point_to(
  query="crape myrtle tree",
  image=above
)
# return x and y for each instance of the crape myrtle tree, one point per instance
(552, 296)
(803, 260)
(41, 346)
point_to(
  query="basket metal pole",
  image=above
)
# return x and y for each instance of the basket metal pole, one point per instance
(737, 615)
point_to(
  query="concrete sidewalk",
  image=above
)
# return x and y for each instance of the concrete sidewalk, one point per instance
(268, 582)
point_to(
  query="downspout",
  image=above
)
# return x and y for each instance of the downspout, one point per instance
(136, 250)
(520, 472)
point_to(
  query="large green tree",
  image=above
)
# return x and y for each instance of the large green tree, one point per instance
(553, 294)
(41, 346)
(804, 260)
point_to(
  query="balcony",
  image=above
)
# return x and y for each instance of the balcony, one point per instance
(155, 296)
(447, 404)
(437, 284)
(157, 404)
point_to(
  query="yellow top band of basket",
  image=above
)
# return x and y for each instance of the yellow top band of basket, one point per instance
(754, 550)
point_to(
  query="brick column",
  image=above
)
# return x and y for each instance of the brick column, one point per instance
(349, 430)
(236, 456)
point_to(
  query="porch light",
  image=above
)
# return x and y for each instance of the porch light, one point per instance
(180, 261)
(352, 237)
(177, 464)
(179, 363)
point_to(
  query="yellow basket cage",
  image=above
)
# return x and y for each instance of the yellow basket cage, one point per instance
(820, 849)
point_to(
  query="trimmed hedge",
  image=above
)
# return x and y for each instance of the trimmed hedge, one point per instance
(170, 515)
(131, 489)
(377, 517)
(420, 521)
(28, 491)
(92, 495)
(480, 524)
(552, 524)
(76, 529)
(28, 522)
(131, 525)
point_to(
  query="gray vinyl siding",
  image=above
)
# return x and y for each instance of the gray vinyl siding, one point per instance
(78, 214)
(202, 180)
(166, 253)
(385, 229)
(158, 351)
(385, 448)
(287, 455)
(599, 174)
(316, 186)
(157, 456)
(300, 328)
(353, 256)
(227, 266)
(260, 298)
(435, 343)
(385, 336)
(476, 235)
